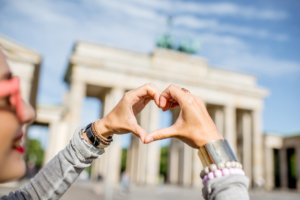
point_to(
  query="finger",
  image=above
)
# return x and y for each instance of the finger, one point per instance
(172, 92)
(168, 106)
(174, 105)
(162, 101)
(140, 132)
(148, 89)
(146, 101)
(161, 134)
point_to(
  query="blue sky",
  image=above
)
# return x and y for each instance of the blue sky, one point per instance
(255, 37)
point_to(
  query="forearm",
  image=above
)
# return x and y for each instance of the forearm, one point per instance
(61, 172)
(232, 187)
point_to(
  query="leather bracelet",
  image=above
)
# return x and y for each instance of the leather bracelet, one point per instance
(102, 139)
(109, 139)
(95, 133)
(94, 140)
(216, 152)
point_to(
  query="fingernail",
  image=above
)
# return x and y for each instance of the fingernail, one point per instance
(149, 139)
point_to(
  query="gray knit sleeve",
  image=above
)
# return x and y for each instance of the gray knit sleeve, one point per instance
(60, 173)
(233, 187)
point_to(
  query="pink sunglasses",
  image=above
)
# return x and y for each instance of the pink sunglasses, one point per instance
(11, 88)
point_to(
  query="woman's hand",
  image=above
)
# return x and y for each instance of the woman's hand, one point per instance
(194, 126)
(122, 118)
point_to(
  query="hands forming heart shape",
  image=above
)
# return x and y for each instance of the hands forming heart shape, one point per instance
(193, 126)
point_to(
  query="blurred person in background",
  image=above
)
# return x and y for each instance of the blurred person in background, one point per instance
(193, 126)
(125, 182)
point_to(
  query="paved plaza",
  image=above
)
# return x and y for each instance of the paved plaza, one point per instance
(89, 191)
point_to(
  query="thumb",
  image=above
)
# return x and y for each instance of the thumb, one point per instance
(140, 132)
(161, 134)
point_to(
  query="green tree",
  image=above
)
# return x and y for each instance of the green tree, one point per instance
(123, 161)
(34, 153)
(164, 161)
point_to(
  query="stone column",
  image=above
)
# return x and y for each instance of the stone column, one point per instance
(141, 163)
(173, 162)
(109, 164)
(113, 152)
(153, 149)
(283, 168)
(197, 167)
(269, 168)
(185, 167)
(54, 137)
(298, 167)
(247, 144)
(76, 97)
(99, 166)
(219, 120)
(132, 158)
(173, 158)
(257, 146)
(230, 126)
(217, 115)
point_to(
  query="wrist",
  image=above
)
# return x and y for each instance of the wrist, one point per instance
(103, 128)
(209, 136)
(85, 137)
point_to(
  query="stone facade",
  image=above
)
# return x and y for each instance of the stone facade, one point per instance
(234, 101)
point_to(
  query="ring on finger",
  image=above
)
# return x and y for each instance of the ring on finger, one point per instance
(185, 90)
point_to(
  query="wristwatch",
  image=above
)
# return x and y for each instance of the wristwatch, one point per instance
(94, 140)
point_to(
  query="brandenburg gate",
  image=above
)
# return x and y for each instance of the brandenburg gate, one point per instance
(234, 101)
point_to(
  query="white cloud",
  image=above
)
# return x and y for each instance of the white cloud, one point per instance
(230, 9)
(192, 22)
(40, 11)
(154, 4)
(223, 40)
(217, 9)
(132, 10)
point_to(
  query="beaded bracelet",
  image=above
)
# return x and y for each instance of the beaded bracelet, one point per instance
(222, 169)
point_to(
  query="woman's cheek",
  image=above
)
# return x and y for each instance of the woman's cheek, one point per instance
(14, 167)
(6, 150)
